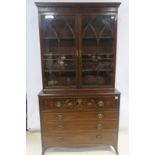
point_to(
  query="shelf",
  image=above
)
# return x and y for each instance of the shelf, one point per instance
(90, 59)
(73, 54)
(94, 70)
(106, 37)
(65, 80)
(95, 53)
(59, 70)
(70, 38)
(90, 85)
(54, 38)
(58, 59)
(59, 54)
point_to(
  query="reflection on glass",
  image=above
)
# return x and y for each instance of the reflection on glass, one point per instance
(49, 17)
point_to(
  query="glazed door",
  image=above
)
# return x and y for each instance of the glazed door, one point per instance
(97, 47)
(58, 46)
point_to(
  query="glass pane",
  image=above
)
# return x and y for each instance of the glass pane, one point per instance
(58, 48)
(97, 50)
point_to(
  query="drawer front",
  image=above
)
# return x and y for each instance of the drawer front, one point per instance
(49, 128)
(51, 104)
(78, 104)
(74, 116)
(81, 138)
(106, 102)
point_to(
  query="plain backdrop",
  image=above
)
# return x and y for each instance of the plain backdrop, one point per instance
(33, 66)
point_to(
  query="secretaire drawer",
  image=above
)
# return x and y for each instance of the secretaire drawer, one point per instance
(73, 126)
(106, 102)
(74, 116)
(51, 104)
(79, 104)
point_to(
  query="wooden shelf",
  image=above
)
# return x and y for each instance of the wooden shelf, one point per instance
(94, 70)
(106, 37)
(58, 59)
(95, 53)
(85, 38)
(90, 59)
(54, 38)
(59, 70)
(59, 54)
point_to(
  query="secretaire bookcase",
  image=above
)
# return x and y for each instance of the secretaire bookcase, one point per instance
(79, 105)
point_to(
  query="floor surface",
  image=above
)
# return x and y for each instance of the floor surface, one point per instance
(34, 147)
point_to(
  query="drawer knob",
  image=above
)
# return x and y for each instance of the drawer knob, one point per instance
(98, 136)
(60, 127)
(60, 138)
(58, 104)
(59, 117)
(100, 116)
(70, 104)
(99, 126)
(116, 97)
(100, 103)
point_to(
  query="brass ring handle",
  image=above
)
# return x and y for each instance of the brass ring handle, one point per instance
(100, 126)
(60, 127)
(100, 115)
(70, 104)
(100, 103)
(58, 104)
(60, 138)
(98, 136)
(59, 117)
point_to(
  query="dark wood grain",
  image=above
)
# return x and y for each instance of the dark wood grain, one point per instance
(79, 105)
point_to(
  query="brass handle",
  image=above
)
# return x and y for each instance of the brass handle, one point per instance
(59, 117)
(98, 136)
(100, 116)
(99, 126)
(69, 103)
(116, 97)
(58, 104)
(60, 127)
(100, 103)
(60, 138)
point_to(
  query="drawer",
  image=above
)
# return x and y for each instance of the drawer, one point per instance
(74, 116)
(49, 128)
(78, 104)
(106, 102)
(51, 104)
(81, 138)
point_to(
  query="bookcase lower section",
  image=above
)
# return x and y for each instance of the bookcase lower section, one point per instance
(79, 121)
